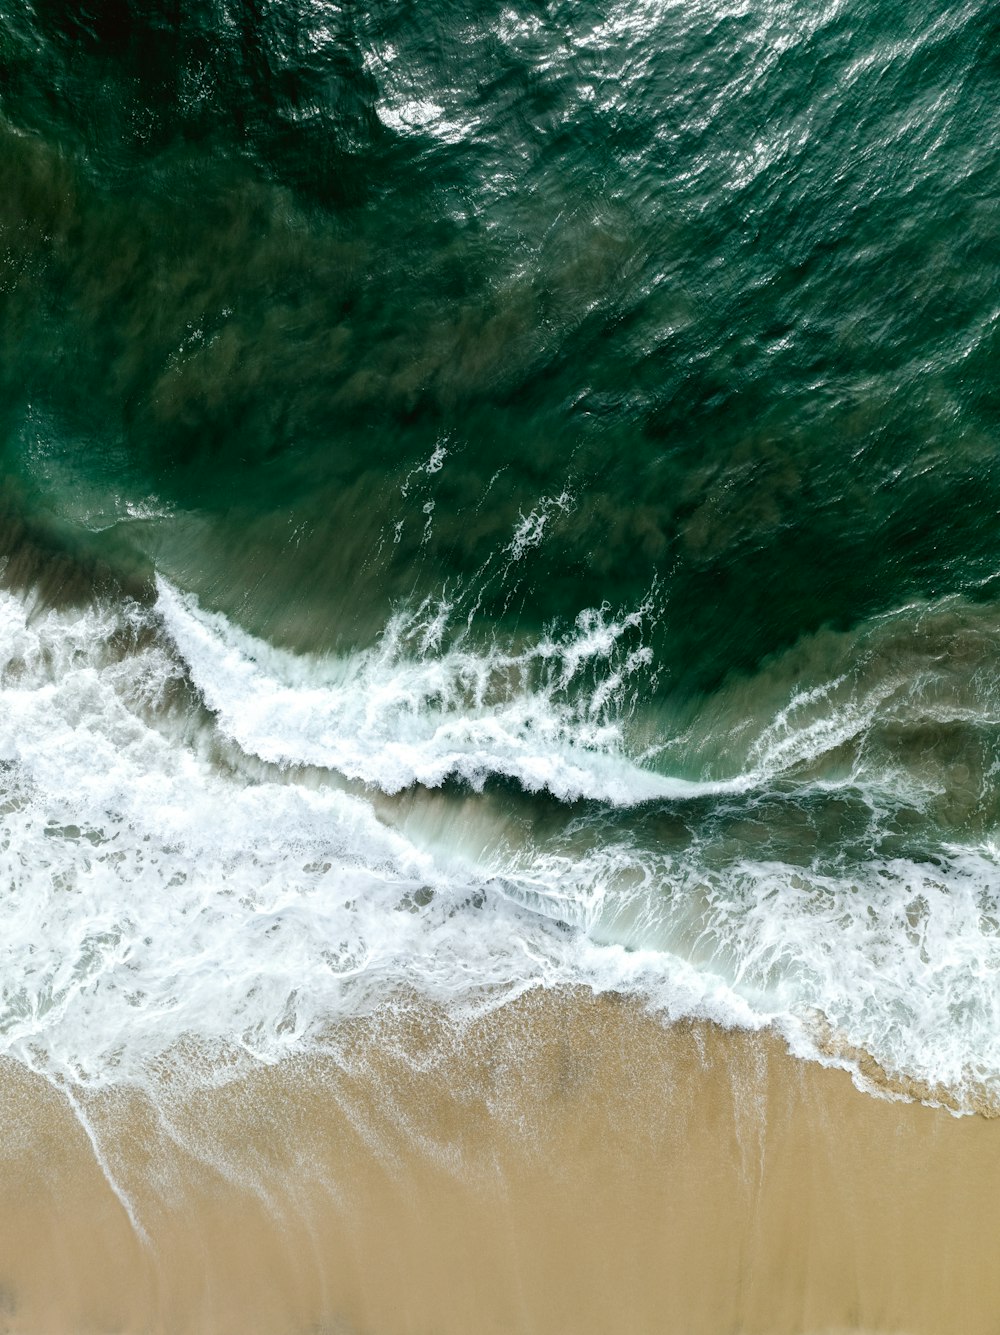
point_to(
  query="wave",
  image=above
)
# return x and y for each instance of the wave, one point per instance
(155, 891)
(183, 857)
(549, 716)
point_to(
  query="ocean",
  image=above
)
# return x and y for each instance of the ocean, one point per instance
(497, 502)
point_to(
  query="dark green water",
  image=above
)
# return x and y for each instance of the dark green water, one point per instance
(455, 336)
(728, 279)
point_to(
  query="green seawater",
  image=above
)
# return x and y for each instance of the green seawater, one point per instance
(726, 279)
(509, 323)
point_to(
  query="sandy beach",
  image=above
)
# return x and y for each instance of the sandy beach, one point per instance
(567, 1164)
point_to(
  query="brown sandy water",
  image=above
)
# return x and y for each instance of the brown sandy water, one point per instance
(564, 1166)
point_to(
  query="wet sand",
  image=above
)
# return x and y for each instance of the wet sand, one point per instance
(565, 1166)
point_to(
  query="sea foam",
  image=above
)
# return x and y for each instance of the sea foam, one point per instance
(187, 852)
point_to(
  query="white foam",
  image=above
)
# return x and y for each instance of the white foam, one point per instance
(156, 886)
(408, 712)
(149, 895)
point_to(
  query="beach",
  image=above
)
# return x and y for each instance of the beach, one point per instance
(567, 1164)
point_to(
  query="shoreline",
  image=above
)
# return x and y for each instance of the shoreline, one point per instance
(568, 1164)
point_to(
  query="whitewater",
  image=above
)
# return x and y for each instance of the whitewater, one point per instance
(206, 837)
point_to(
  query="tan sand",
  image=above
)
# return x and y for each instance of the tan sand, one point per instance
(565, 1166)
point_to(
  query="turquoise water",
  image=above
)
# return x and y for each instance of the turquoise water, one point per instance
(532, 468)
